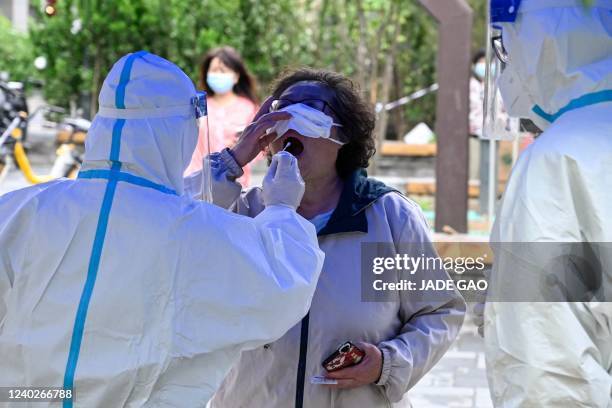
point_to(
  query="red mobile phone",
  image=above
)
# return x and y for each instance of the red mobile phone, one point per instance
(346, 355)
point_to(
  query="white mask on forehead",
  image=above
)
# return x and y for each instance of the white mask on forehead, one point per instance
(307, 121)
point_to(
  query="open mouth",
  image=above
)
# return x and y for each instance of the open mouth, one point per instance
(293, 146)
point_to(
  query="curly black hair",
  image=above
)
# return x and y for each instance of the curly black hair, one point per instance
(354, 114)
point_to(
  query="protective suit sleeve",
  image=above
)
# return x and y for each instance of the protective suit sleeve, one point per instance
(431, 320)
(16, 210)
(253, 285)
(291, 247)
(224, 172)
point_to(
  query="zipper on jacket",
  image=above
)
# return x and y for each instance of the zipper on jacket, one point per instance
(301, 372)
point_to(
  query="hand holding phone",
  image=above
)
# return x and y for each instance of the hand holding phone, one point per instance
(345, 356)
(351, 366)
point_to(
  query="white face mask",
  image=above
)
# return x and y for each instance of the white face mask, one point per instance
(307, 121)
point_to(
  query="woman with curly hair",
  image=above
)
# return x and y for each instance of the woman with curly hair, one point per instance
(320, 118)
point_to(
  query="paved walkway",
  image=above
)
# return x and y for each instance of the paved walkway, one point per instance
(459, 379)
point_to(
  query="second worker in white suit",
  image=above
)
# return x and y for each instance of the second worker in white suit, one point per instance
(548, 330)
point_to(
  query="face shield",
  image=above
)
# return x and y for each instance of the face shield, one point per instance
(498, 125)
(201, 114)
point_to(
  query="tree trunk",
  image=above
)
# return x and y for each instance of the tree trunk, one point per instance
(96, 82)
(345, 36)
(377, 45)
(383, 116)
(362, 47)
(319, 33)
(398, 115)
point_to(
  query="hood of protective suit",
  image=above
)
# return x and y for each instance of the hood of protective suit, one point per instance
(560, 58)
(150, 108)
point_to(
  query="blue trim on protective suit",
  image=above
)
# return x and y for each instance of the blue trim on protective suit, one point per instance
(126, 177)
(125, 78)
(98, 243)
(92, 272)
(116, 142)
(581, 102)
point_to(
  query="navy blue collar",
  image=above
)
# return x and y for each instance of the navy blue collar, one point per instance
(358, 193)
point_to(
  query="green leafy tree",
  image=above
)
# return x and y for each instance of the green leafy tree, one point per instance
(85, 37)
(16, 51)
(388, 46)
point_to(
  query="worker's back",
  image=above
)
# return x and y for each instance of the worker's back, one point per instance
(132, 303)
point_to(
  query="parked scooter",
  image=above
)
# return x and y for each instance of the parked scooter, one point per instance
(70, 141)
(13, 123)
(14, 119)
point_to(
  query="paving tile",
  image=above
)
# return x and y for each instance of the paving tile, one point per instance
(483, 398)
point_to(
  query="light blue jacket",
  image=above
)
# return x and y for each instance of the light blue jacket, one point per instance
(412, 334)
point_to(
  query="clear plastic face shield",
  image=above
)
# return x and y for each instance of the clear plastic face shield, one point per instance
(201, 114)
(497, 123)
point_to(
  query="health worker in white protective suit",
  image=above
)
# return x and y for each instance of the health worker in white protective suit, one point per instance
(121, 288)
(548, 317)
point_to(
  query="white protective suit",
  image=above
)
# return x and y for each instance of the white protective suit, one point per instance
(119, 285)
(555, 354)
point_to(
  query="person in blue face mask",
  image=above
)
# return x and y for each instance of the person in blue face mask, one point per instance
(232, 103)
